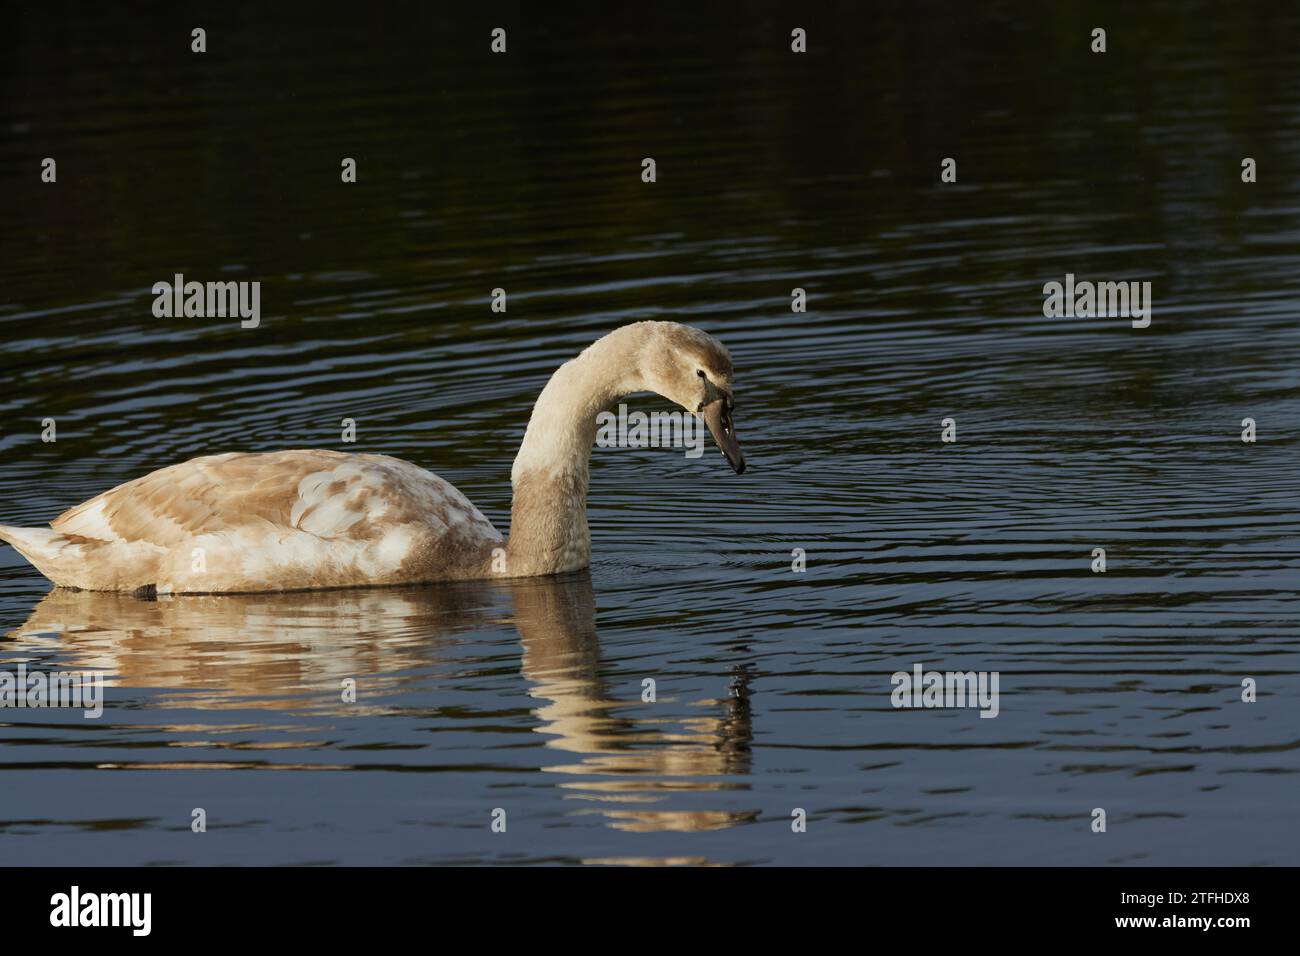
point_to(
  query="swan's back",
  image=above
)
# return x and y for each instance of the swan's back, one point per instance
(259, 522)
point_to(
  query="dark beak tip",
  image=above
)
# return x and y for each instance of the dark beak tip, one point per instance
(715, 416)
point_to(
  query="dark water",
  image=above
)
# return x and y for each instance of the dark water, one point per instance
(1119, 690)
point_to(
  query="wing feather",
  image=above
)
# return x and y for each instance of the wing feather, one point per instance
(324, 493)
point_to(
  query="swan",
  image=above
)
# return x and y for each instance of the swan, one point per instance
(314, 519)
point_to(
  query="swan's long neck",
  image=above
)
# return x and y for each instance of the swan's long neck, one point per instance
(548, 517)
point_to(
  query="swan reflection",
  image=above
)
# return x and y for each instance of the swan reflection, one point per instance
(292, 653)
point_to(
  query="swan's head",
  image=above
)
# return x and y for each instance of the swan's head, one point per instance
(693, 369)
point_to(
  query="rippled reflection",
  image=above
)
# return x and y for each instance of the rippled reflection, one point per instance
(293, 653)
(281, 651)
(637, 757)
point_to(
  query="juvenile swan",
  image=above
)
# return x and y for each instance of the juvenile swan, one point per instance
(293, 520)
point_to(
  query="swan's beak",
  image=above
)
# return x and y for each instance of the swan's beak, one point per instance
(717, 415)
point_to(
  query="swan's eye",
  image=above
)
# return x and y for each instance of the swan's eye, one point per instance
(700, 372)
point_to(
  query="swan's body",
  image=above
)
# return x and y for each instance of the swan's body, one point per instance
(295, 520)
(281, 521)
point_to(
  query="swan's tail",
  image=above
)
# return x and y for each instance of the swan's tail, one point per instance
(46, 549)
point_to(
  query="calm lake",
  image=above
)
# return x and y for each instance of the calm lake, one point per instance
(1119, 691)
